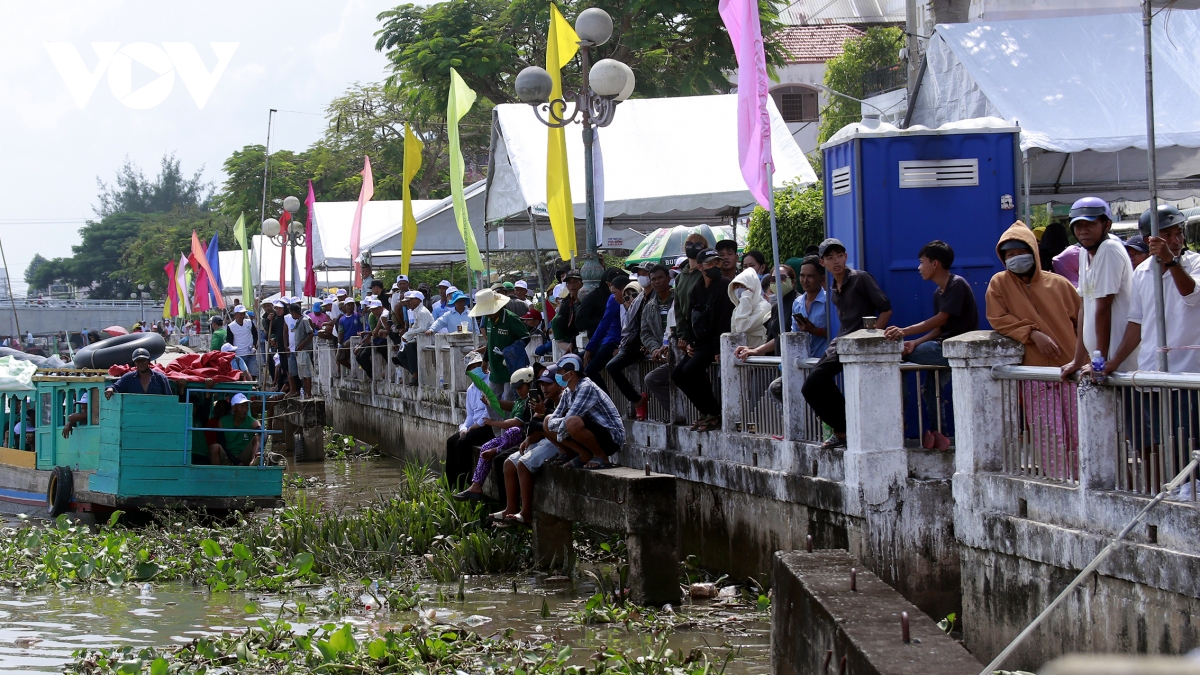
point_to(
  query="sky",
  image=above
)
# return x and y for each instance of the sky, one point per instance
(194, 79)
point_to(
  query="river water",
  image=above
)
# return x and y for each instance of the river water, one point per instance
(39, 630)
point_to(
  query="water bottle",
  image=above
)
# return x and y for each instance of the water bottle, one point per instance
(1097, 367)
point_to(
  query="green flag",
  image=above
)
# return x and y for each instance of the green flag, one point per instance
(239, 233)
(461, 100)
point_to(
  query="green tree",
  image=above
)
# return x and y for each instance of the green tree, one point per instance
(243, 188)
(164, 236)
(878, 49)
(799, 218)
(134, 193)
(675, 47)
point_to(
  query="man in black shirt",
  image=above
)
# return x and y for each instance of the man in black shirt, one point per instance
(954, 313)
(711, 312)
(856, 295)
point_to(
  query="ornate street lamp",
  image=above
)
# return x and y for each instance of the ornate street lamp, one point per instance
(605, 84)
(272, 230)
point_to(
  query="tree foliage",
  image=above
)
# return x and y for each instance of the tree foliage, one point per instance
(134, 193)
(878, 49)
(675, 47)
(799, 218)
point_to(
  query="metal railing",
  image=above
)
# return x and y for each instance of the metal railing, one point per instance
(884, 79)
(1039, 423)
(762, 413)
(929, 411)
(1158, 424)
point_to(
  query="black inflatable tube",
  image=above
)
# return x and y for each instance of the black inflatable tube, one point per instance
(119, 350)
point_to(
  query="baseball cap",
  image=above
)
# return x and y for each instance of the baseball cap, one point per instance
(340, 292)
(402, 277)
(240, 309)
(570, 362)
(508, 286)
(726, 243)
(707, 255)
(216, 319)
(828, 244)
(278, 303)
(532, 314)
(444, 284)
(228, 348)
(1137, 243)
(549, 373)
(521, 284)
(680, 261)
(572, 274)
(238, 398)
(414, 295)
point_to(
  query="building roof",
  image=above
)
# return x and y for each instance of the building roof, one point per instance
(809, 12)
(814, 44)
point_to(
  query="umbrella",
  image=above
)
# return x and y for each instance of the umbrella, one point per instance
(666, 243)
(114, 331)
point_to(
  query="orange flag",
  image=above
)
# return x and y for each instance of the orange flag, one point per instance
(198, 252)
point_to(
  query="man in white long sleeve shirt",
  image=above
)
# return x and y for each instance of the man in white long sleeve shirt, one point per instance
(421, 321)
(455, 315)
(460, 460)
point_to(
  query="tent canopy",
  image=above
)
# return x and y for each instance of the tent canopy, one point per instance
(661, 156)
(332, 222)
(1076, 87)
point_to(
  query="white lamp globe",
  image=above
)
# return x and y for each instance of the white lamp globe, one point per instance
(608, 78)
(291, 204)
(628, 90)
(534, 85)
(594, 25)
(295, 226)
(270, 227)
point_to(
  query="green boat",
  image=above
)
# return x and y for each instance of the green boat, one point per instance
(130, 452)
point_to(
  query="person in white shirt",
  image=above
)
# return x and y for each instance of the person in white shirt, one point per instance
(1105, 284)
(455, 316)
(443, 302)
(460, 461)
(422, 319)
(243, 335)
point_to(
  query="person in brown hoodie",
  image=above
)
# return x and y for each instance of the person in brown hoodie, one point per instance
(1040, 310)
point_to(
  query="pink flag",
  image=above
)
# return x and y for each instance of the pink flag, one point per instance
(200, 294)
(172, 288)
(310, 279)
(364, 196)
(754, 122)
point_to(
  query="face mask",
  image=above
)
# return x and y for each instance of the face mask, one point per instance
(713, 273)
(740, 292)
(786, 285)
(478, 372)
(1020, 264)
(771, 298)
(559, 379)
(692, 250)
(644, 282)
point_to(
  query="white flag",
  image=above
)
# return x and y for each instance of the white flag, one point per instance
(598, 185)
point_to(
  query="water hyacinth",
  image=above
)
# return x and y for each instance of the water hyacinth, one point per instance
(274, 648)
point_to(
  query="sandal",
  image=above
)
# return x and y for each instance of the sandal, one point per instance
(834, 442)
(598, 464)
(712, 423)
(576, 463)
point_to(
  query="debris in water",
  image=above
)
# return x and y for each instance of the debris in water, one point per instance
(703, 590)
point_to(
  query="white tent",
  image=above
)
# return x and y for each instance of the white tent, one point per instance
(332, 222)
(666, 156)
(1076, 87)
(437, 229)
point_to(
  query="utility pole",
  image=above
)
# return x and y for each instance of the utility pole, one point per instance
(912, 27)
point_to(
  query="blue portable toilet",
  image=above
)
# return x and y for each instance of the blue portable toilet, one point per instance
(890, 191)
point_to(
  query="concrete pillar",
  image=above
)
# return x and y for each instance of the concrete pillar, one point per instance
(793, 349)
(978, 441)
(552, 541)
(653, 568)
(732, 386)
(1099, 410)
(875, 458)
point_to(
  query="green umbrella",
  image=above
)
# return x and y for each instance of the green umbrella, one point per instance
(665, 244)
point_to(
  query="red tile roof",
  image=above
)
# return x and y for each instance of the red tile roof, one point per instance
(814, 44)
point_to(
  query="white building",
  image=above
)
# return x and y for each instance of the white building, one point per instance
(808, 49)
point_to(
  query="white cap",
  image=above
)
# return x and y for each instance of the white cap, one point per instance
(278, 303)
(402, 277)
(521, 284)
(452, 289)
(445, 283)
(409, 295)
(680, 260)
(340, 292)
(240, 309)
(238, 398)
(228, 348)
(376, 302)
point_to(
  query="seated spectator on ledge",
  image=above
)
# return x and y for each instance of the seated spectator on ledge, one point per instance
(520, 466)
(586, 425)
(750, 310)
(473, 431)
(453, 319)
(512, 432)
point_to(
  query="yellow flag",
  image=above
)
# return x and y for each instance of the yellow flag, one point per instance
(460, 101)
(560, 49)
(412, 164)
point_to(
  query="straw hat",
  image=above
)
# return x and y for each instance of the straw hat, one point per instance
(488, 302)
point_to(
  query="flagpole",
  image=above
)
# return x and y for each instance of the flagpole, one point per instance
(537, 264)
(262, 213)
(775, 248)
(8, 283)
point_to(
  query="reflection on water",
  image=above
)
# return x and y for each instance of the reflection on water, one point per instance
(38, 631)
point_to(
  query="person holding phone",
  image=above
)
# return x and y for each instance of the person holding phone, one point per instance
(810, 310)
